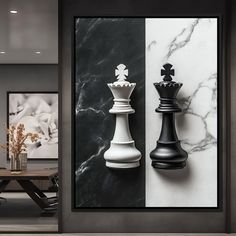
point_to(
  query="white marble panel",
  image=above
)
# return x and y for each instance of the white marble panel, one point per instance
(190, 44)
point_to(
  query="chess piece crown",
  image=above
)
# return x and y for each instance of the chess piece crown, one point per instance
(121, 96)
(168, 90)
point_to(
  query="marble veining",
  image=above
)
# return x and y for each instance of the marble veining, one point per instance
(203, 114)
(85, 165)
(101, 45)
(190, 44)
(182, 38)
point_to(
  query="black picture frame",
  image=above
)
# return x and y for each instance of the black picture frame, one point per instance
(220, 125)
(7, 119)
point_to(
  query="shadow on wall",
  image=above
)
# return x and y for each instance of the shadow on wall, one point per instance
(183, 102)
(181, 176)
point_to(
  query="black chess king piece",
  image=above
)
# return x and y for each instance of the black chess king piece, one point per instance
(168, 153)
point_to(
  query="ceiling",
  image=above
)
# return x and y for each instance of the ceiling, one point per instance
(31, 35)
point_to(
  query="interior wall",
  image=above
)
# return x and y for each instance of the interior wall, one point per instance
(22, 77)
(124, 221)
(232, 121)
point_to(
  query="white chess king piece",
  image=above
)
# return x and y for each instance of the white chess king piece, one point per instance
(122, 152)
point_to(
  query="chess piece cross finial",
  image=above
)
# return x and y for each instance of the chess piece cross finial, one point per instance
(167, 72)
(121, 72)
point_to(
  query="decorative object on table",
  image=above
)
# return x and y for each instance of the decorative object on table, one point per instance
(18, 162)
(15, 164)
(16, 146)
(24, 161)
(38, 111)
(168, 153)
(122, 152)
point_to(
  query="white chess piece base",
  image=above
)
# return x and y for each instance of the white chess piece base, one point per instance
(122, 155)
(122, 165)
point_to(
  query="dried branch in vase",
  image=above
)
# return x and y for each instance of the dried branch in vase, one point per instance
(16, 139)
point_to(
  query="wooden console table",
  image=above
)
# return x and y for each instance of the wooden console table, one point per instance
(25, 180)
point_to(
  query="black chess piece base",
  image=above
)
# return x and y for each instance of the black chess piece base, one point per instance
(168, 153)
(168, 166)
(168, 156)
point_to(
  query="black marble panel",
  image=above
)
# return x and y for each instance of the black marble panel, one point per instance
(100, 45)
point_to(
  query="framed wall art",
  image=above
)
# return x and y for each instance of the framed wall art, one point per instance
(142, 46)
(38, 111)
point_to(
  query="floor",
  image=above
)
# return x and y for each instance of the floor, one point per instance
(20, 212)
(14, 217)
